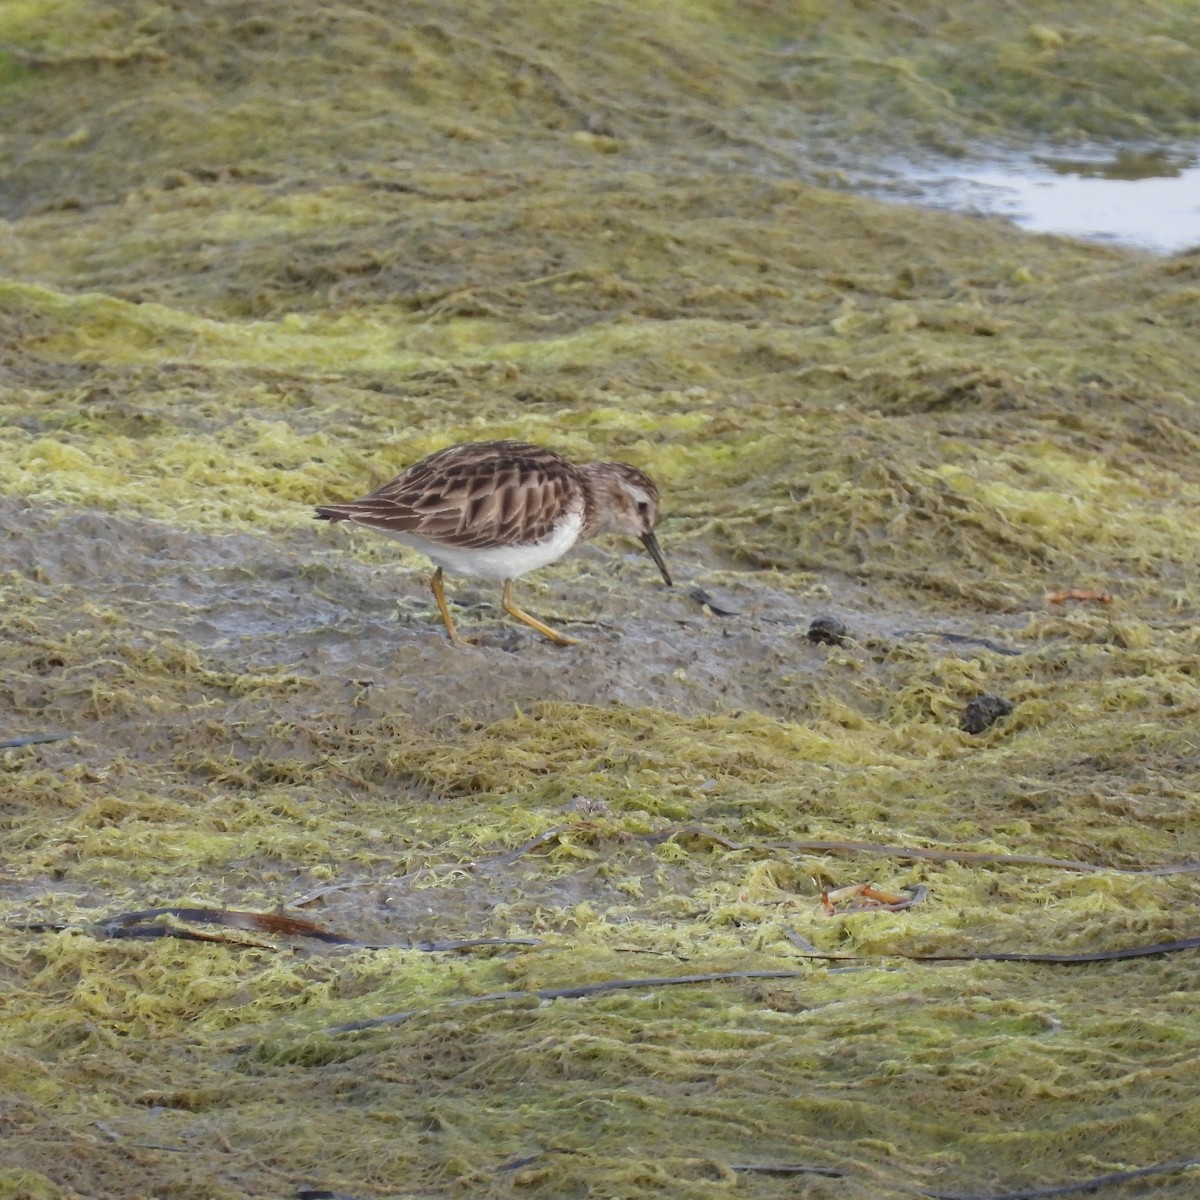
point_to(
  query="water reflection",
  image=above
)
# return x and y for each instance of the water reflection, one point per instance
(1146, 198)
(1128, 164)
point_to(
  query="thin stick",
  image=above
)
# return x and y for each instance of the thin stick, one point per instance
(138, 925)
(1067, 1189)
(786, 1169)
(1123, 952)
(503, 860)
(33, 739)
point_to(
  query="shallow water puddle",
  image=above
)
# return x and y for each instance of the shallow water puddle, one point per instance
(1151, 200)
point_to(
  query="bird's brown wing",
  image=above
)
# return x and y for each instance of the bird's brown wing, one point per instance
(474, 495)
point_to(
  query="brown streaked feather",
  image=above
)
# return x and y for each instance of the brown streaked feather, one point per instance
(478, 494)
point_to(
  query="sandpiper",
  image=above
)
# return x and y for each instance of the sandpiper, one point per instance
(498, 510)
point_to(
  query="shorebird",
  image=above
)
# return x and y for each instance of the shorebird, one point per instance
(498, 510)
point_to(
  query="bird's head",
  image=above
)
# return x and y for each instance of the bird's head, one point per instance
(626, 501)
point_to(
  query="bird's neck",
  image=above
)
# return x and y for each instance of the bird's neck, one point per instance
(595, 484)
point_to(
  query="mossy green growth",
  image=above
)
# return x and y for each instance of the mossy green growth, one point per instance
(34, 22)
(254, 261)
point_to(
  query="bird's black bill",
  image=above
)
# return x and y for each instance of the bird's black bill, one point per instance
(651, 544)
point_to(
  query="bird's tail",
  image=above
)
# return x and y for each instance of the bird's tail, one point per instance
(333, 512)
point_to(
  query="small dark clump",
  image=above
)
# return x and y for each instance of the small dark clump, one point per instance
(984, 711)
(828, 631)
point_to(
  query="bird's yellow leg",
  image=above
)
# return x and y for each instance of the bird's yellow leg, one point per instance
(439, 594)
(511, 608)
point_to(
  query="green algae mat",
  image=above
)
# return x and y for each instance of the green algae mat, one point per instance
(297, 899)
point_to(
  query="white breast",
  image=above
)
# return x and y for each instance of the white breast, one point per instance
(499, 562)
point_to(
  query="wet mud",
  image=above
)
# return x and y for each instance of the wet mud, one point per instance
(930, 502)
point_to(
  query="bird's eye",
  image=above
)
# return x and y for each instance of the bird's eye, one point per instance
(643, 508)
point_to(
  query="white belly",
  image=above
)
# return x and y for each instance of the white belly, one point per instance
(498, 562)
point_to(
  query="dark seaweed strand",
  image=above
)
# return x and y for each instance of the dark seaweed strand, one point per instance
(33, 739)
(1068, 1189)
(1033, 956)
(1063, 1189)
